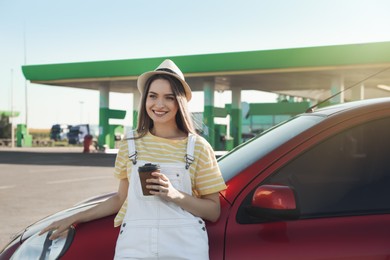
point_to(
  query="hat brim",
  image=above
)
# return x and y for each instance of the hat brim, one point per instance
(141, 82)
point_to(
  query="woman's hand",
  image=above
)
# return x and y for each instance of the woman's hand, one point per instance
(161, 186)
(59, 227)
(206, 207)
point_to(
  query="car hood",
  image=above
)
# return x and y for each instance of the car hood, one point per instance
(81, 206)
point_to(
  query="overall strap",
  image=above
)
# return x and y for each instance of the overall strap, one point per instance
(131, 147)
(189, 157)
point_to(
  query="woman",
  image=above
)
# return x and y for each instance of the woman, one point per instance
(169, 224)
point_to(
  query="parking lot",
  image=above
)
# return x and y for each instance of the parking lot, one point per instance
(35, 182)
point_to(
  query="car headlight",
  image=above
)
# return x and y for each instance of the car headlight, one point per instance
(41, 247)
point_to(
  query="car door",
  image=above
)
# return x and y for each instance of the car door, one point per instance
(342, 187)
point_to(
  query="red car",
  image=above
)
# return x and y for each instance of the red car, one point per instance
(314, 187)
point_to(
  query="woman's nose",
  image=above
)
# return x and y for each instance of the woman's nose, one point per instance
(160, 103)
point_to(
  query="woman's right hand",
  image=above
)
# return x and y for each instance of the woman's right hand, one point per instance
(59, 227)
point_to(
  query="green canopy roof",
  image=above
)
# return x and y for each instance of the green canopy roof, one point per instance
(342, 55)
(306, 72)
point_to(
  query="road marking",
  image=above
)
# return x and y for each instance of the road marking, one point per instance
(50, 169)
(7, 187)
(79, 179)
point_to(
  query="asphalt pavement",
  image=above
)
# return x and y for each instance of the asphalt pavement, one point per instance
(36, 182)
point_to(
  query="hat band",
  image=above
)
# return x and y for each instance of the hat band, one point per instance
(167, 70)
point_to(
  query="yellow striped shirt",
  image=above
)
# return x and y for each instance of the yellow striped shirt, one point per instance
(205, 175)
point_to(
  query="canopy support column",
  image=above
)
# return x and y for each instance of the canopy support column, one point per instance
(136, 103)
(104, 104)
(208, 112)
(236, 117)
(337, 85)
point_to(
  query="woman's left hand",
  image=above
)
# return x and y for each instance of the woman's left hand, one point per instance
(206, 207)
(161, 186)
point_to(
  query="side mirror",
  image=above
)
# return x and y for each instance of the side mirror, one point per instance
(274, 202)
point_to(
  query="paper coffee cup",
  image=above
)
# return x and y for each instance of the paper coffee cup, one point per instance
(145, 172)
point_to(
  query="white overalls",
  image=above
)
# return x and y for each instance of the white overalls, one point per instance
(156, 229)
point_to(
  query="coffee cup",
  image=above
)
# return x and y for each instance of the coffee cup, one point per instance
(145, 172)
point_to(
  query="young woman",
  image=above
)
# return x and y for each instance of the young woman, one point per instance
(169, 223)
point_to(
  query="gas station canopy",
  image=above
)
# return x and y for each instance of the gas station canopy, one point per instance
(302, 72)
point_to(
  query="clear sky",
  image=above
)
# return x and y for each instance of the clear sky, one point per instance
(62, 31)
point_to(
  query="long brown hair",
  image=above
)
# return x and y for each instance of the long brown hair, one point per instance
(183, 117)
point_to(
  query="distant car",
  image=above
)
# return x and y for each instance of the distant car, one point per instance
(314, 187)
(59, 132)
(77, 133)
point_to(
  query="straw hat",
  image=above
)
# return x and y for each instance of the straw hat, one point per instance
(167, 67)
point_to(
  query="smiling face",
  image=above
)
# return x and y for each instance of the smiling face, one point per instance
(161, 103)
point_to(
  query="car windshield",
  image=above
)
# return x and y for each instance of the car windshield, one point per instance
(257, 147)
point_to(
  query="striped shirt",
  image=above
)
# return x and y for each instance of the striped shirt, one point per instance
(205, 175)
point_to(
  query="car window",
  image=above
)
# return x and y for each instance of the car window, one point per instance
(254, 149)
(347, 174)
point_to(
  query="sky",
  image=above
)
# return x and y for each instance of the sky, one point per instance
(49, 32)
